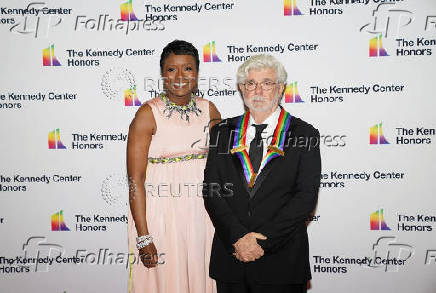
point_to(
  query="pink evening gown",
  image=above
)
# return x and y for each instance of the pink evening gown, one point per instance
(177, 220)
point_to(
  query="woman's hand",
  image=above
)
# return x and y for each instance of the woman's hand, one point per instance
(148, 255)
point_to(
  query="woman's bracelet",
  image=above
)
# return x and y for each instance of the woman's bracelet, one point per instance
(143, 241)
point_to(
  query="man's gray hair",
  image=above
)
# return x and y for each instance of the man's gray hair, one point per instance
(258, 62)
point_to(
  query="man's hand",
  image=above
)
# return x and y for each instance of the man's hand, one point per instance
(247, 249)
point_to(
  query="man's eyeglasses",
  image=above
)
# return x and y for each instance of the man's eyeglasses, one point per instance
(265, 85)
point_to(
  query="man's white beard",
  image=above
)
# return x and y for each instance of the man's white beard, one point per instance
(266, 107)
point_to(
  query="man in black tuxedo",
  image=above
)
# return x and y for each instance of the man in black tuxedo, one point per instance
(271, 163)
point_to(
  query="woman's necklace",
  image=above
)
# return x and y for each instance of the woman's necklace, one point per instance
(184, 110)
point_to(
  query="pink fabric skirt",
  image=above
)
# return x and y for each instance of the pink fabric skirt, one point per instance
(181, 230)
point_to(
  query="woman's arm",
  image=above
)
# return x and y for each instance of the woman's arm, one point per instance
(141, 129)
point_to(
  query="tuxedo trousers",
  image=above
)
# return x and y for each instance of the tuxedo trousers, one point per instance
(251, 286)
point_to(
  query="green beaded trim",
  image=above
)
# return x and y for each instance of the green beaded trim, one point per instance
(177, 159)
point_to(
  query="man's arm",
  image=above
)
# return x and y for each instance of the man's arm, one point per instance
(297, 210)
(227, 226)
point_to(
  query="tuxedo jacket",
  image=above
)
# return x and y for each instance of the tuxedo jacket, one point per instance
(277, 205)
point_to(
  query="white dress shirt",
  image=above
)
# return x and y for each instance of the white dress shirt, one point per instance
(267, 134)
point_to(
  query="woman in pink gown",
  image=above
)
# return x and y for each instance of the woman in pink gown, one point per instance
(166, 154)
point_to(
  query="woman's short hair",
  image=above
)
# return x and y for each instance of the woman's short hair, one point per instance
(179, 47)
(258, 62)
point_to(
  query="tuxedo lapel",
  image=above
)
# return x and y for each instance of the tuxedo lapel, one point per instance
(262, 176)
(236, 161)
(240, 171)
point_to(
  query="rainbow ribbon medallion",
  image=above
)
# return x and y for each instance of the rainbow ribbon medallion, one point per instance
(240, 148)
(275, 149)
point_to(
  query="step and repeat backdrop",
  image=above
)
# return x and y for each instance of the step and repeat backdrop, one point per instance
(73, 74)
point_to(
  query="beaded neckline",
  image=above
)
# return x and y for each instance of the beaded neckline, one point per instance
(184, 110)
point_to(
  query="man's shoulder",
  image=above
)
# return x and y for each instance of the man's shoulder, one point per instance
(299, 127)
(227, 124)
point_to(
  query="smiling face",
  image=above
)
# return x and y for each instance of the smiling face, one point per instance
(259, 99)
(180, 75)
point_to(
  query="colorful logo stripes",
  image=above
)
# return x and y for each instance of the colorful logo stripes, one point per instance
(376, 135)
(209, 54)
(130, 98)
(291, 94)
(49, 58)
(127, 13)
(57, 222)
(377, 222)
(54, 140)
(376, 47)
(290, 8)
